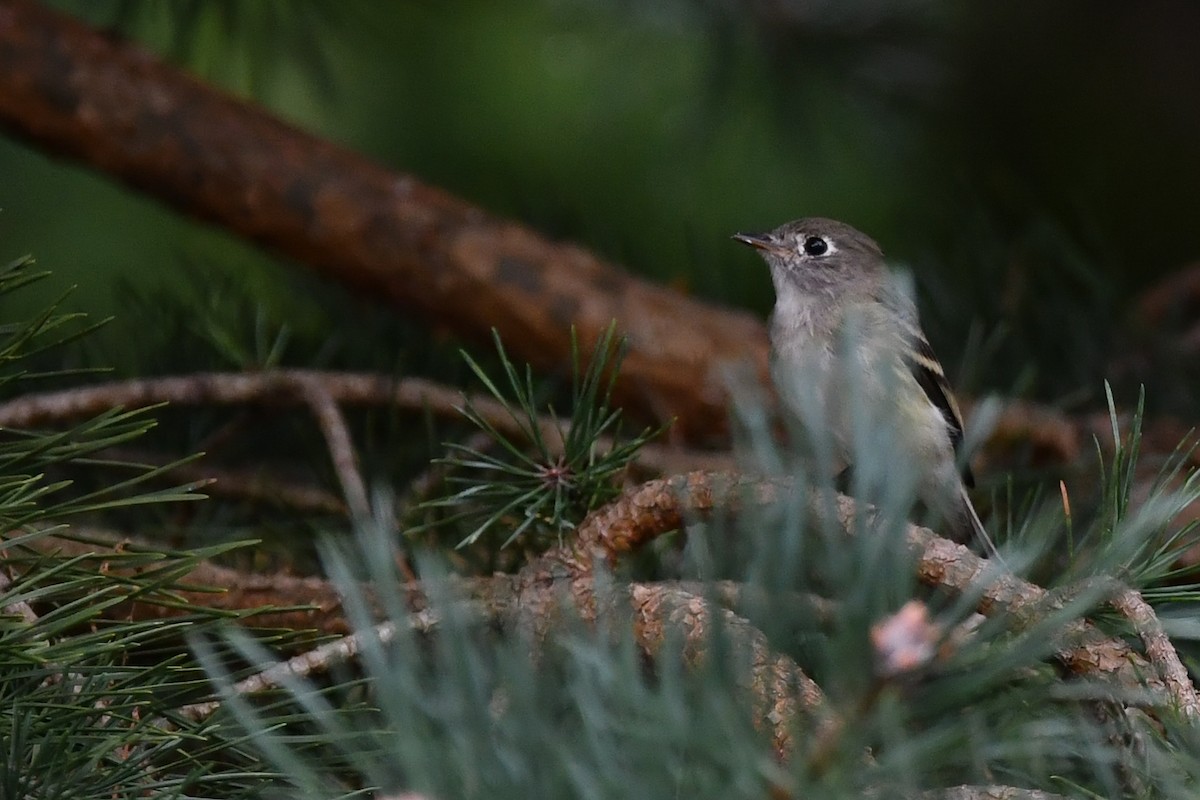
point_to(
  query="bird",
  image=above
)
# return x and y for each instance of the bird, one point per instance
(845, 335)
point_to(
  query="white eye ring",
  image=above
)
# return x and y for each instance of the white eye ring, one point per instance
(815, 246)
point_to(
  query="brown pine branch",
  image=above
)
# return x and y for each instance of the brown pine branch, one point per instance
(653, 508)
(534, 598)
(1159, 650)
(782, 691)
(286, 388)
(1083, 648)
(276, 388)
(659, 506)
(1054, 438)
(110, 105)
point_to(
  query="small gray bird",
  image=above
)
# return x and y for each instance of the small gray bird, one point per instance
(845, 335)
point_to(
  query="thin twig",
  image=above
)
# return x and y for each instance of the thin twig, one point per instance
(1159, 649)
(341, 446)
(317, 660)
(18, 609)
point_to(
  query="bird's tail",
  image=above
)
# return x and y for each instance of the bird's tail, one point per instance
(980, 533)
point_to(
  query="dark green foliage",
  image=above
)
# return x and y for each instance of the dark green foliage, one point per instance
(532, 484)
(87, 701)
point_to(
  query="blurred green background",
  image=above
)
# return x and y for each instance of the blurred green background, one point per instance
(1033, 163)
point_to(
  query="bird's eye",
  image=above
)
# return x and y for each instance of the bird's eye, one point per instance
(815, 246)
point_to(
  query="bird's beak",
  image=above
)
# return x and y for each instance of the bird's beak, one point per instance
(759, 241)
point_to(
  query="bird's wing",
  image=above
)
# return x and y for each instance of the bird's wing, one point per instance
(931, 377)
(896, 293)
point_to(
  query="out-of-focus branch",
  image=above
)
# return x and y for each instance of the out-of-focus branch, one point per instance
(341, 447)
(281, 388)
(108, 104)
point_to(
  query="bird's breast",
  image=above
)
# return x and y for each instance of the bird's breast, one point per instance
(839, 370)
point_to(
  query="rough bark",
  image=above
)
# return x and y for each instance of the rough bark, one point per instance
(104, 102)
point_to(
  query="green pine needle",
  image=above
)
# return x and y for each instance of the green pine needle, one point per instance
(525, 484)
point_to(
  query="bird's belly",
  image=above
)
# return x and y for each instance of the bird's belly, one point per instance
(872, 390)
